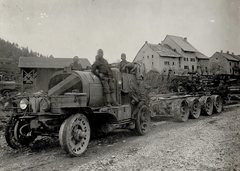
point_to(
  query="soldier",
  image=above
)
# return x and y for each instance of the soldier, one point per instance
(102, 69)
(123, 63)
(75, 65)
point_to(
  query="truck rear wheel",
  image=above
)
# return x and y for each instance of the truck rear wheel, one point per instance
(74, 135)
(143, 121)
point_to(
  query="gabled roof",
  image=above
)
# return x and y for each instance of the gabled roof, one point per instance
(199, 55)
(37, 62)
(237, 57)
(228, 56)
(163, 50)
(182, 43)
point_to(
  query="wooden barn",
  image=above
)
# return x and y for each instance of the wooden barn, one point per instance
(37, 71)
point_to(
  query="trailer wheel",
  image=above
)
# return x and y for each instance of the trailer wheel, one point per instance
(217, 103)
(194, 107)
(207, 105)
(9, 134)
(180, 110)
(143, 121)
(74, 135)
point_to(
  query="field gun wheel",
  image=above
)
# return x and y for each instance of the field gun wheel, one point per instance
(143, 121)
(74, 135)
(194, 107)
(9, 134)
(217, 103)
(206, 105)
(180, 110)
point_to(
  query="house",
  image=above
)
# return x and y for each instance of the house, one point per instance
(157, 57)
(202, 63)
(224, 63)
(36, 71)
(185, 49)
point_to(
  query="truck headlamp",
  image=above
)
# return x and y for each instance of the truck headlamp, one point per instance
(23, 104)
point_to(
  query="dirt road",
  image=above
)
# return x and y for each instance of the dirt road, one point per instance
(208, 143)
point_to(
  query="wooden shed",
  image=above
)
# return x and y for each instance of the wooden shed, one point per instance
(37, 71)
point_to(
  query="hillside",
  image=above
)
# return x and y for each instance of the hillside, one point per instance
(10, 53)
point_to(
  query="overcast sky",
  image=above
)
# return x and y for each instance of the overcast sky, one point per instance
(80, 27)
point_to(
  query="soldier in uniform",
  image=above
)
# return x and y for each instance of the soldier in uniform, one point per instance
(102, 69)
(123, 63)
(75, 65)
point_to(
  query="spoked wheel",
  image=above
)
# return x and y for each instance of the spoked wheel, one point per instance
(22, 133)
(180, 110)
(9, 134)
(194, 106)
(6, 93)
(217, 103)
(74, 135)
(207, 105)
(143, 121)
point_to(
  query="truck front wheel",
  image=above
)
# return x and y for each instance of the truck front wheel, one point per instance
(74, 135)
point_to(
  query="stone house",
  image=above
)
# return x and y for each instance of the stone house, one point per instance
(189, 60)
(158, 57)
(224, 63)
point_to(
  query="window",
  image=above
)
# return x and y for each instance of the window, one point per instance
(152, 63)
(187, 59)
(152, 56)
(143, 57)
(230, 71)
(186, 67)
(192, 59)
(198, 67)
(172, 63)
(230, 63)
(166, 62)
(148, 57)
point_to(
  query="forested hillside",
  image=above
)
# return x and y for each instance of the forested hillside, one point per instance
(14, 51)
(9, 56)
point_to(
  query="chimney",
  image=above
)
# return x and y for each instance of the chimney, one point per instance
(221, 51)
(232, 53)
(227, 52)
(185, 39)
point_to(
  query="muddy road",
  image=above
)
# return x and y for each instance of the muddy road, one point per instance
(208, 143)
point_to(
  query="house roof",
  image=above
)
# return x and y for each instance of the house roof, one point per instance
(182, 43)
(199, 55)
(229, 56)
(237, 57)
(37, 62)
(163, 50)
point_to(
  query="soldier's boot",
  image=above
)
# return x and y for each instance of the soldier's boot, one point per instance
(108, 98)
(114, 101)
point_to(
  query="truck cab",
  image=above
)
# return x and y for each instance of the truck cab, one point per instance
(73, 108)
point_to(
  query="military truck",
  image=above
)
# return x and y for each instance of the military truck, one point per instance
(74, 108)
(6, 86)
